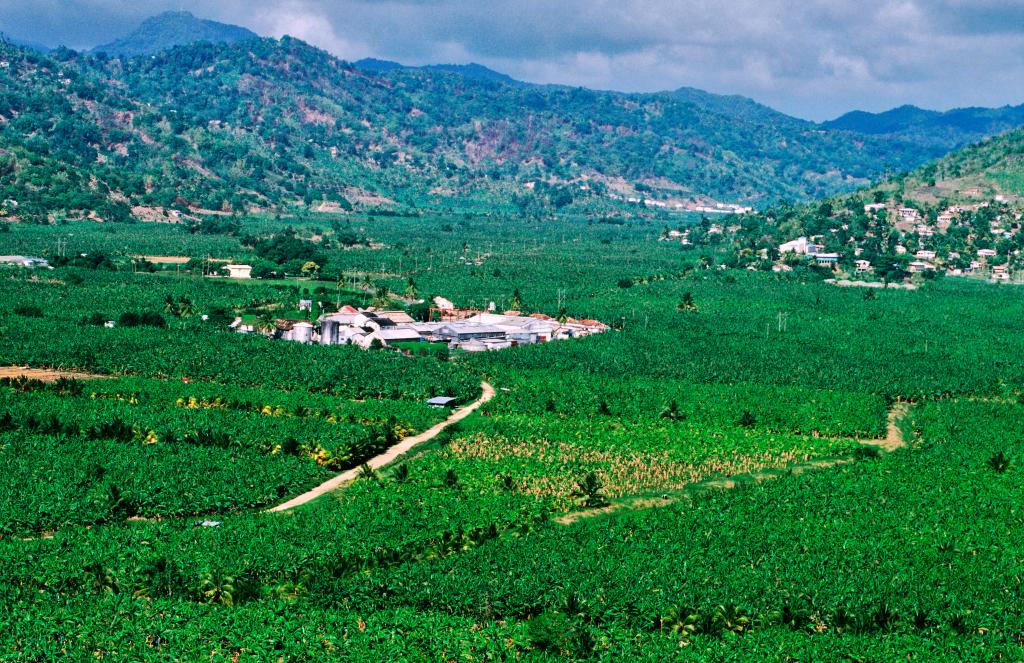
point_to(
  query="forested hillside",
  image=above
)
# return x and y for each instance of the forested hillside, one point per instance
(268, 123)
(950, 129)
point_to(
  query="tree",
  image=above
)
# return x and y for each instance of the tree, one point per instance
(998, 463)
(217, 588)
(410, 289)
(589, 490)
(311, 269)
(401, 474)
(687, 304)
(266, 324)
(671, 412)
(517, 301)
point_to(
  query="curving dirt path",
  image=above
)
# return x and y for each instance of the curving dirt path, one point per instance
(391, 454)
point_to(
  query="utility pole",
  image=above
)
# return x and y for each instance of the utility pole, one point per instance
(783, 321)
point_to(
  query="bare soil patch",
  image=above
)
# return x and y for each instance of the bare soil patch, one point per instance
(46, 374)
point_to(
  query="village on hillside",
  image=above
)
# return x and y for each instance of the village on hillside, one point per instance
(456, 328)
(882, 241)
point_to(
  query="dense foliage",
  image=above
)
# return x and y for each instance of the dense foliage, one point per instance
(270, 123)
(686, 486)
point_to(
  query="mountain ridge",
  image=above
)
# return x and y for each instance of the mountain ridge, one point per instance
(173, 28)
(271, 123)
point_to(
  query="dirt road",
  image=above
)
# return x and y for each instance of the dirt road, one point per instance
(391, 454)
(45, 374)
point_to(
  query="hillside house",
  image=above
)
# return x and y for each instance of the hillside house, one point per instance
(908, 214)
(925, 255)
(863, 266)
(827, 259)
(919, 266)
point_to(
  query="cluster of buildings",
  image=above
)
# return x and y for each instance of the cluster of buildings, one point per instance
(462, 329)
(25, 261)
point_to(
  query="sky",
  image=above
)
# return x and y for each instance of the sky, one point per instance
(814, 59)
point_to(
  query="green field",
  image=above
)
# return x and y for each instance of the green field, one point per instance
(691, 485)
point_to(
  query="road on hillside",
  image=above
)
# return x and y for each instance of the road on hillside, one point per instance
(391, 454)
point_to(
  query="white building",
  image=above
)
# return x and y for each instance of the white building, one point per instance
(239, 271)
(800, 246)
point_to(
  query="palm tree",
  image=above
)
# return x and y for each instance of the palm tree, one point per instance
(401, 474)
(380, 297)
(589, 490)
(217, 588)
(368, 473)
(682, 620)
(266, 324)
(671, 412)
(185, 308)
(999, 462)
(687, 304)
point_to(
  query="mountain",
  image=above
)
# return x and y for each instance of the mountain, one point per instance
(740, 107)
(474, 70)
(276, 123)
(24, 43)
(471, 70)
(890, 121)
(375, 66)
(950, 129)
(174, 28)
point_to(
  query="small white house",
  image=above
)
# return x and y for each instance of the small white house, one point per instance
(239, 271)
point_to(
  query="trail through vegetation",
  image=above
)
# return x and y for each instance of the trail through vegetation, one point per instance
(391, 454)
(45, 374)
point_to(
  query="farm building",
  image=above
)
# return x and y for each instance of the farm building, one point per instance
(471, 331)
(25, 261)
(239, 271)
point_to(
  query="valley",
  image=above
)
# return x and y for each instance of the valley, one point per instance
(308, 359)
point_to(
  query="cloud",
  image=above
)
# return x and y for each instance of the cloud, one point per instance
(816, 59)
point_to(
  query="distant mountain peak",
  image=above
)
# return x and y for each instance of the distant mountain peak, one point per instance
(173, 28)
(470, 70)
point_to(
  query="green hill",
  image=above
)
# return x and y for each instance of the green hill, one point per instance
(950, 129)
(173, 28)
(272, 123)
(993, 167)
